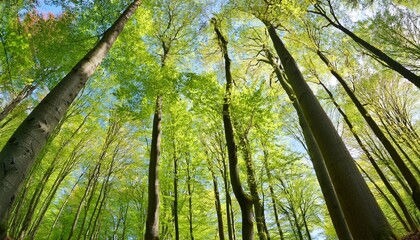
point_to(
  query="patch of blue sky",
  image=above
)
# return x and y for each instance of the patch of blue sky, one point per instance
(45, 7)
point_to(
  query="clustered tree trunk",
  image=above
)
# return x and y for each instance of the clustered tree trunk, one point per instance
(245, 201)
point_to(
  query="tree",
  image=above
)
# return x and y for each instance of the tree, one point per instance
(378, 54)
(245, 201)
(19, 153)
(356, 200)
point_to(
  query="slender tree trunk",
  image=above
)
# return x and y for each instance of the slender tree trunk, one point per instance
(407, 174)
(308, 233)
(245, 202)
(412, 164)
(175, 210)
(189, 191)
(315, 155)
(363, 215)
(252, 183)
(152, 222)
(388, 201)
(63, 205)
(87, 193)
(272, 194)
(26, 91)
(29, 139)
(379, 55)
(382, 176)
(229, 215)
(218, 205)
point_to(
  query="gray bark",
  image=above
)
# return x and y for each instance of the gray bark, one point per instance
(29, 139)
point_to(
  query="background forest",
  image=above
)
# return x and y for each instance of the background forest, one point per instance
(213, 119)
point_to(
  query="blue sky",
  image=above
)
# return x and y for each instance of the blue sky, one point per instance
(45, 8)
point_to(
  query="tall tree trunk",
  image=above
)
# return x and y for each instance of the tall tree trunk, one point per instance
(272, 194)
(29, 139)
(229, 215)
(252, 183)
(175, 209)
(189, 191)
(379, 55)
(218, 206)
(245, 201)
(363, 215)
(88, 191)
(315, 155)
(382, 176)
(152, 222)
(407, 174)
(308, 233)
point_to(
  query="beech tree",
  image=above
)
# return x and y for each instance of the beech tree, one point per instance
(279, 120)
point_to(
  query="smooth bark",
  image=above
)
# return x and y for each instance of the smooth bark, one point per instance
(29, 139)
(324, 180)
(382, 176)
(363, 215)
(406, 172)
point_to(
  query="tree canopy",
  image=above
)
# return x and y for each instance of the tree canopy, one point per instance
(213, 119)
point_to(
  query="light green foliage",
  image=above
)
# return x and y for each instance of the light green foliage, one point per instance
(168, 48)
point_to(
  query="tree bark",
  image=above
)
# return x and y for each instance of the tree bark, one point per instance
(245, 201)
(382, 176)
(29, 139)
(252, 183)
(152, 222)
(363, 215)
(315, 155)
(407, 174)
(272, 194)
(175, 210)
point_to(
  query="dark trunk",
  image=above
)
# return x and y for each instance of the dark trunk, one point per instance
(152, 222)
(175, 209)
(245, 202)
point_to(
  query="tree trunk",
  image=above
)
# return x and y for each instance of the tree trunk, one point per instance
(252, 183)
(175, 210)
(315, 155)
(382, 176)
(388, 201)
(189, 191)
(26, 91)
(245, 202)
(407, 174)
(391, 63)
(218, 206)
(363, 215)
(272, 194)
(29, 139)
(152, 222)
